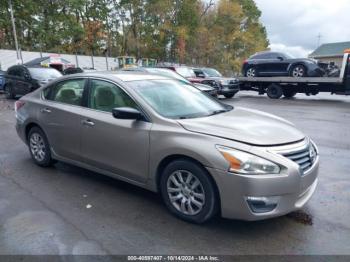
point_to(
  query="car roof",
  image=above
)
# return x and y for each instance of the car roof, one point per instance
(125, 76)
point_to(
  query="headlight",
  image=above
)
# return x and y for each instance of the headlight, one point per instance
(245, 163)
(224, 82)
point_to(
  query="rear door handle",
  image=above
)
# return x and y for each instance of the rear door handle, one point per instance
(45, 110)
(87, 122)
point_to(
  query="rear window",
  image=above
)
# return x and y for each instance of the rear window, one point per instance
(185, 72)
(44, 73)
(261, 56)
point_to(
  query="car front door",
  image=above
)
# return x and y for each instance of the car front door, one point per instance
(269, 64)
(120, 146)
(18, 80)
(282, 63)
(60, 116)
(27, 81)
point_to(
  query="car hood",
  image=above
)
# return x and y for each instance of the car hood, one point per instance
(305, 60)
(247, 126)
(203, 87)
(223, 78)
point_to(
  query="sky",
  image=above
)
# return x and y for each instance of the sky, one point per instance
(293, 26)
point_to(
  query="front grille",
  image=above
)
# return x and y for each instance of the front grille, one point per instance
(303, 153)
(301, 157)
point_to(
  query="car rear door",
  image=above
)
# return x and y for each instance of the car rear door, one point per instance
(60, 115)
(120, 146)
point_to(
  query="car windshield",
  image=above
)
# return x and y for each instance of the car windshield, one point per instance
(177, 100)
(211, 72)
(44, 73)
(167, 72)
(185, 72)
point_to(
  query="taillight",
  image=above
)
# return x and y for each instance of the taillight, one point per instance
(245, 61)
(19, 104)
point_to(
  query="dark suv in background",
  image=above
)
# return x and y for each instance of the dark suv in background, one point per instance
(2, 79)
(280, 64)
(227, 87)
(21, 80)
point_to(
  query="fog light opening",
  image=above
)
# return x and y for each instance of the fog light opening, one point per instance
(262, 204)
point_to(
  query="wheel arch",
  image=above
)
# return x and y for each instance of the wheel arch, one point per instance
(292, 65)
(170, 158)
(28, 127)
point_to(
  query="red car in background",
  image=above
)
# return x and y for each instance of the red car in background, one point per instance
(189, 74)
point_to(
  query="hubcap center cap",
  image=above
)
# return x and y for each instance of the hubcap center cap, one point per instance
(186, 191)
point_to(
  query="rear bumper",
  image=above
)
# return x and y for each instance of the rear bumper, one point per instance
(290, 191)
(20, 128)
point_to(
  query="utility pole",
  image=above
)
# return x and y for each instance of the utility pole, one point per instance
(14, 30)
(319, 36)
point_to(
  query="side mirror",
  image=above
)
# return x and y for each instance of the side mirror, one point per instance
(127, 113)
(280, 58)
(201, 75)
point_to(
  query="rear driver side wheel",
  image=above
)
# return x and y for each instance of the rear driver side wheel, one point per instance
(251, 72)
(188, 192)
(39, 147)
(274, 91)
(289, 93)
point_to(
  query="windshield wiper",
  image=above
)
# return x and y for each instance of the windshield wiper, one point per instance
(216, 112)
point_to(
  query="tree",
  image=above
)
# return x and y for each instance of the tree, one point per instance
(218, 33)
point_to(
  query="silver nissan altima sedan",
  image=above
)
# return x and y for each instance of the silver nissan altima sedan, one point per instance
(202, 156)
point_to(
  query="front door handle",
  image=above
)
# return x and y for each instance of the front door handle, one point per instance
(45, 110)
(87, 122)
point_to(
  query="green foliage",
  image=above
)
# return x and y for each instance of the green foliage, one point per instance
(185, 31)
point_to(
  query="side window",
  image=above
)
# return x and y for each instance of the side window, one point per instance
(10, 71)
(273, 55)
(105, 96)
(68, 92)
(198, 72)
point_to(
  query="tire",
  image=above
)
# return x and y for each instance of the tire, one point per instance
(39, 147)
(9, 92)
(289, 93)
(199, 203)
(251, 72)
(274, 91)
(298, 71)
(229, 95)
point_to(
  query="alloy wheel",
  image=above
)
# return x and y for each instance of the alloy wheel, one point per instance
(37, 147)
(298, 71)
(251, 72)
(186, 192)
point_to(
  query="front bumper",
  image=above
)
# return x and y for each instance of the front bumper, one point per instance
(316, 72)
(213, 92)
(228, 89)
(290, 189)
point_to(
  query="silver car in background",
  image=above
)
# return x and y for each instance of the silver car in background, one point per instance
(204, 157)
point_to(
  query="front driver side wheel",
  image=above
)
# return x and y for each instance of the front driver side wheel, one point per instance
(188, 192)
(298, 71)
(9, 92)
